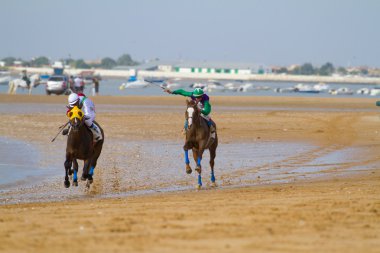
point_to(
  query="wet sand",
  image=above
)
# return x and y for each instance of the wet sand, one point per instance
(333, 209)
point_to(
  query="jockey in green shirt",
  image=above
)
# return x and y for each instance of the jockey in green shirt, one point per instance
(203, 101)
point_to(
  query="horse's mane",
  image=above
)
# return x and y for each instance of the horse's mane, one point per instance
(191, 103)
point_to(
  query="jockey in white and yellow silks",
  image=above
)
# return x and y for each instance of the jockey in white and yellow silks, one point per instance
(88, 108)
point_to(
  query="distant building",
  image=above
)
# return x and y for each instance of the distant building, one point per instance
(17, 63)
(202, 67)
(93, 62)
(2, 63)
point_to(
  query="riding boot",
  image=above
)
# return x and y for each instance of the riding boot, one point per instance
(66, 131)
(212, 130)
(96, 132)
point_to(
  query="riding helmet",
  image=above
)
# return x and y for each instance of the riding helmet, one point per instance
(73, 99)
(198, 92)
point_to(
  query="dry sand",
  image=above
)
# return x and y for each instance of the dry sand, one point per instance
(338, 212)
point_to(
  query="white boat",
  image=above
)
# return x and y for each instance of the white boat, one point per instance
(341, 91)
(172, 85)
(375, 91)
(285, 90)
(5, 79)
(246, 87)
(232, 86)
(214, 86)
(262, 88)
(138, 83)
(304, 88)
(364, 91)
(197, 85)
(321, 87)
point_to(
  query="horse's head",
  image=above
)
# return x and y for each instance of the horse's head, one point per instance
(76, 117)
(192, 112)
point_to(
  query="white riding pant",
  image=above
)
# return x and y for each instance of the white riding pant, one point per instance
(89, 112)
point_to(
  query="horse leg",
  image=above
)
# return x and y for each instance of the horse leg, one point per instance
(91, 171)
(187, 161)
(67, 164)
(198, 158)
(75, 168)
(85, 170)
(212, 158)
(10, 84)
(11, 88)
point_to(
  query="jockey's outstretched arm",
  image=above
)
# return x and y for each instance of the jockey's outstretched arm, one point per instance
(182, 93)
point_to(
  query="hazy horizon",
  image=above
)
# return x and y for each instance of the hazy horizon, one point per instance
(258, 31)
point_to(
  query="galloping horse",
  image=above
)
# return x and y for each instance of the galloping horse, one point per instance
(14, 84)
(198, 139)
(80, 145)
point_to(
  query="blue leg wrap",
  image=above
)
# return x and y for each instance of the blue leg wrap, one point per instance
(209, 123)
(199, 180)
(186, 125)
(199, 161)
(187, 157)
(91, 171)
(212, 177)
(75, 177)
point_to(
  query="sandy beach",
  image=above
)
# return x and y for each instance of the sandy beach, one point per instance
(322, 197)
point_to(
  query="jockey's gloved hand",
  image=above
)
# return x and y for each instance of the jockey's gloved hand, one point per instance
(168, 91)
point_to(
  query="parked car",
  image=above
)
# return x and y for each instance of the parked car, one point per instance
(58, 84)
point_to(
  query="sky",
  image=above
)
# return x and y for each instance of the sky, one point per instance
(270, 32)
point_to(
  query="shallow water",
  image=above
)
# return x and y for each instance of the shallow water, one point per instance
(19, 163)
(140, 167)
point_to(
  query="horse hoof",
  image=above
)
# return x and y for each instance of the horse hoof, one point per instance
(188, 169)
(88, 185)
(83, 178)
(198, 187)
(67, 184)
(75, 183)
(90, 180)
(213, 185)
(198, 169)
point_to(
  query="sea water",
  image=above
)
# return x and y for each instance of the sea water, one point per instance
(110, 87)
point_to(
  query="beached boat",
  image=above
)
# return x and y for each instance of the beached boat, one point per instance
(197, 85)
(341, 91)
(364, 91)
(134, 83)
(304, 88)
(321, 87)
(247, 87)
(5, 79)
(214, 86)
(232, 86)
(285, 90)
(172, 85)
(375, 91)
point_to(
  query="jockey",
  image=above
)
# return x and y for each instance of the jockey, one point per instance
(203, 103)
(88, 108)
(25, 78)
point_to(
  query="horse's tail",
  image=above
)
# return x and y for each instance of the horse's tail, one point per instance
(11, 87)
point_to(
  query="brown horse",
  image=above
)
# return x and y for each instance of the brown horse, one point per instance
(80, 145)
(198, 140)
